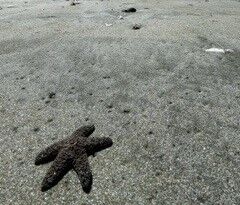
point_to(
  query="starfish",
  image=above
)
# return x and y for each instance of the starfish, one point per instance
(72, 153)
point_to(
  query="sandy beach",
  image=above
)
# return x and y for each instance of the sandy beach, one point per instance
(171, 108)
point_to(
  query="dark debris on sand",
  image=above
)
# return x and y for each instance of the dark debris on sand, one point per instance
(129, 10)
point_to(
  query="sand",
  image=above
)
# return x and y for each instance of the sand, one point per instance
(171, 108)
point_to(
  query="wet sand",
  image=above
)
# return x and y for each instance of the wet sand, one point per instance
(171, 108)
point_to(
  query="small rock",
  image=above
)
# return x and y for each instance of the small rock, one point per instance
(110, 106)
(47, 101)
(136, 27)
(50, 120)
(36, 129)
(51, 95)
(15, 129)
(126, 110)
(130, 10)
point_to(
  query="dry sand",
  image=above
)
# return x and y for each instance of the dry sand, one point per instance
(180, 141)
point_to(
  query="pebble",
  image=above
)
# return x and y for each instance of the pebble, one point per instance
(130, 10)
(52, 95)
(136, 27)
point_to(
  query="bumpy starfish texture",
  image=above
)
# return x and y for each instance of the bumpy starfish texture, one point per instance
(72, 153)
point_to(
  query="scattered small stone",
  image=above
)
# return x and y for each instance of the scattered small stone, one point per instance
(51, 95)
(126, 110)
(136, 27)
(23, 88)
(90, 93)
(73, 4)
(157, 173)
(108, 88)
(129, 10)
(105, 77)
(110, 106)
(15, 129)
(145, 145)
(150, 132)
(47, 101)
(50, 120)
(22, 77)
(36, 129)
(20, 163)
(86, 119)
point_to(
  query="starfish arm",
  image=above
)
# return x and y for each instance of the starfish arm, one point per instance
(49, 154)
(98, 144)
(82, 168)
(84, 131)
(61, 165)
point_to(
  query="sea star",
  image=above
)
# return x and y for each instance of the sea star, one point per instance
(72, 153)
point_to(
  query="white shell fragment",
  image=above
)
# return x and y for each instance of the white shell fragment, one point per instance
(108, 24)
(10, 6)
(219, 50)
(120, 17)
